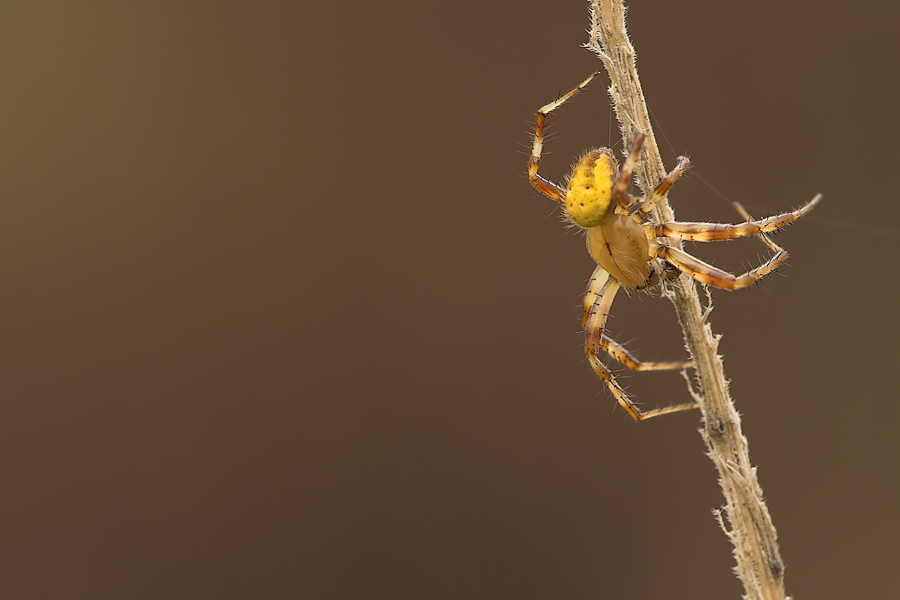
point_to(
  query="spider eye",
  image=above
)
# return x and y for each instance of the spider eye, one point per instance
(590, 188)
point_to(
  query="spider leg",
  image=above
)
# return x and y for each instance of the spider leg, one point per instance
(594, 343)
(708, 274)
(618, 352)
(543, 185)
(609, 345)
(620, 188)
(709, 232)
(762, 236)
(594, 289)
(662, 188)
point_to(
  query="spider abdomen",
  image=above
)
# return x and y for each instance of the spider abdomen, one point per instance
(619, 245)
(589, 193)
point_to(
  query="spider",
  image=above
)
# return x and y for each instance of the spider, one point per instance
(628, 250)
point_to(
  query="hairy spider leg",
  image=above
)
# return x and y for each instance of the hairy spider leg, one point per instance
(594, 287)
(762, 236)
(594, 343)
(620, 188)
(609, 345)
(618, 352)
(543, 185)
(710, 232)
(641, 211)
(710, 275)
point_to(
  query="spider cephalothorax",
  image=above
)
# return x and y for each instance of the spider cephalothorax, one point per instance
(628, 250)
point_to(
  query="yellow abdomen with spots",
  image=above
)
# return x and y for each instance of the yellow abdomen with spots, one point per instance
(589, 195)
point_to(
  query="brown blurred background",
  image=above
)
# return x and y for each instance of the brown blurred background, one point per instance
(283, 318)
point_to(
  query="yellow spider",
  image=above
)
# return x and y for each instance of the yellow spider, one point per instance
(627, 250)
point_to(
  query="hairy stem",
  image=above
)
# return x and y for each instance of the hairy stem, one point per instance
(747, 522)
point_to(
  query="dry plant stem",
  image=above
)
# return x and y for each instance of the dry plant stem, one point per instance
(748, 524)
